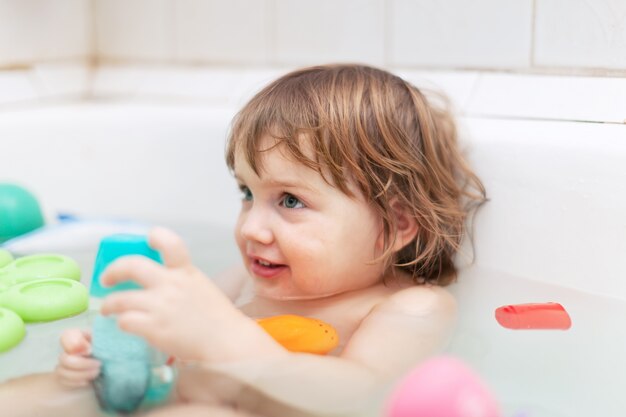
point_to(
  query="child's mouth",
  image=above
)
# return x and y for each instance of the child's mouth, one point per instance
(266, 269)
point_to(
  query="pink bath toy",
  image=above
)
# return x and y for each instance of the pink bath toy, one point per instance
(442, 387)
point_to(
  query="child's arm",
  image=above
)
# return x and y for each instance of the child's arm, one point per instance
(182, 313)
(43, 395)
(408, 327)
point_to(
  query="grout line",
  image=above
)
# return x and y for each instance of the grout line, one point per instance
(96, 61)
(93, 58)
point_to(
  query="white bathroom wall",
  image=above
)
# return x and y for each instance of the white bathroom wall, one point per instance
(461, 34)
(562, 36)
(42, 30)
(513, 35)
(580, 33)
(48, 49)
(45, 47)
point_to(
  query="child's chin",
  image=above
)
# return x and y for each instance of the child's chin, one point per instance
(280, 294)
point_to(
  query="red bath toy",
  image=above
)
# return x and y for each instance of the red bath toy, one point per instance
(546, 316)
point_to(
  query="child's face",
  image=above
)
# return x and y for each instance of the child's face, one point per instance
(299, 236)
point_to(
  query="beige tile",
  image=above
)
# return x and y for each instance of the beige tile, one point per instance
(461, 34)
(581, 33)
(34, 30)
(134, 29)
(215, 31)
(307, 32)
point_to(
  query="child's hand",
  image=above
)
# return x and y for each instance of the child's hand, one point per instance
(75, 367)
(179, 310)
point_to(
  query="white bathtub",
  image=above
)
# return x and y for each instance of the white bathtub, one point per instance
(553, 230)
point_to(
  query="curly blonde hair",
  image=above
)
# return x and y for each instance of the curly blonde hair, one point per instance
(372, 128)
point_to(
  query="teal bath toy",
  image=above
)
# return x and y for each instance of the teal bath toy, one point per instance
(133, 374)
(12, 329)
(46, 299)
(125, 373)
(19, 212)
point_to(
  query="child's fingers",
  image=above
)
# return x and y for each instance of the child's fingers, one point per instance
(122, 302)
(170, 246)
(77, 342)
(137, 322)
(76, 371)
(77, 363)
(73, 378)
(74, 384)
(139, 269)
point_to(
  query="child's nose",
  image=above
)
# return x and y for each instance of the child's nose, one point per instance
(255, 226)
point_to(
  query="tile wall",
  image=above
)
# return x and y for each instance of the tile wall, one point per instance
(46, 47)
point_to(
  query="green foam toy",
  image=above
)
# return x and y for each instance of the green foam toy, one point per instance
(12, 329)
(5, 258)
(41, 266)
(46, 299)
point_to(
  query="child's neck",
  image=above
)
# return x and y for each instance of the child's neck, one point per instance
(390, 283)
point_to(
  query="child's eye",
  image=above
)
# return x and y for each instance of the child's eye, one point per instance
(246, 194)
(291, 201)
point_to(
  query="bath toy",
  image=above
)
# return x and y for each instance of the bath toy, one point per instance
(5, 258)
(301, 334)
(6, 279)
(125, 373)
(533, 316)
(12, 329)
(441, 387)
(34, 267)
(132, 374)
(113, 247)
(19, 212)
(46, 299)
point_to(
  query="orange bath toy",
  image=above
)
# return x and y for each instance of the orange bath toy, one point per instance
(301, 334)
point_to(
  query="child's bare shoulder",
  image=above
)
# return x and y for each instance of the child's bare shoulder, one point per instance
(420, 300)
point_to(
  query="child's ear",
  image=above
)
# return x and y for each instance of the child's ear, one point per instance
(406, 225)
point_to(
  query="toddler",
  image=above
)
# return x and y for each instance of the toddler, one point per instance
(354, 203)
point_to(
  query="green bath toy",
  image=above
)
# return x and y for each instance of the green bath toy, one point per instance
(35, 267)
(5, 258)
(6, 278)
(46, 299)
(12, 329)
(20, 212)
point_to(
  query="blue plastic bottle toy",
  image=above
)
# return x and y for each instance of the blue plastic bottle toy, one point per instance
(133, 374)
